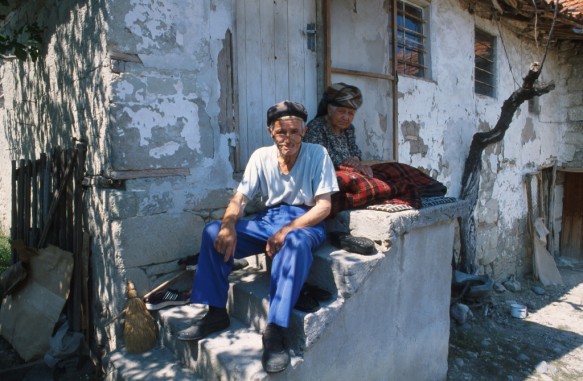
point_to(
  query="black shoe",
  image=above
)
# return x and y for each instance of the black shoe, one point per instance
(190, 263)
(307, 303)
(211, 322)
(239, 264)
(275, 357)
(316, 292)
(166, 298)
(350, 243)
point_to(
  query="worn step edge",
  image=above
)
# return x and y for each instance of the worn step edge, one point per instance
(249, 303)
(340, 270)
(156, 364)
(235, 354)
(232, 354)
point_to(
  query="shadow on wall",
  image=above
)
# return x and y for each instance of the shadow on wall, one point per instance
(61, 97)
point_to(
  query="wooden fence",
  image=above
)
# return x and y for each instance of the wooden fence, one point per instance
(48, 208)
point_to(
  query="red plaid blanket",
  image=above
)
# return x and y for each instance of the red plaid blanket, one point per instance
(393, 183)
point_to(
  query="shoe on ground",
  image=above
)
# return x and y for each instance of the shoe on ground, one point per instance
(210, 323)
(167, 298)
(275, 356)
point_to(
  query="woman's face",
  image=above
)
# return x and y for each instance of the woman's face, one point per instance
(340, 117)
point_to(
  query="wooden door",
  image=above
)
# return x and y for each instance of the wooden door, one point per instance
(276, 60)
(572, 229)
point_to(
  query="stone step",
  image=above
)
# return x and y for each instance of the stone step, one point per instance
(156, 364)
(236, 352)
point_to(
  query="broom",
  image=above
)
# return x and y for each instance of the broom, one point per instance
(140, 329)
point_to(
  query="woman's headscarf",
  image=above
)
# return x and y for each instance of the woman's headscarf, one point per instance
(342, 95)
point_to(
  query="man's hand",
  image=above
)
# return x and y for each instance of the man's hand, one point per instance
(355, 163)
(226, 241)
(312, 217)
(275, 242)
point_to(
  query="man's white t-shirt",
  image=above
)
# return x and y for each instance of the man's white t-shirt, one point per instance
(312, 175)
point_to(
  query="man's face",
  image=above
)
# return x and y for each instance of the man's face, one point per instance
(287, 133)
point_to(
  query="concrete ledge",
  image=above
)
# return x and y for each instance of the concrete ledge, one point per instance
(384, 227)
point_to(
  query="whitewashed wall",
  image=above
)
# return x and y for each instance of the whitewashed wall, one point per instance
(438, 117)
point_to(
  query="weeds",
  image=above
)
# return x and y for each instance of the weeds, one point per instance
(5, 253)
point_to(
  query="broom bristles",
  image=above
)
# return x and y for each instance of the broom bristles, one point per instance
(140, 328)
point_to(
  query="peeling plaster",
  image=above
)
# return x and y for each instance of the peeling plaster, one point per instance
(528, 132)
(410, 131)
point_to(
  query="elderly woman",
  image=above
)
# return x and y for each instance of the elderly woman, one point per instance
(332, 127)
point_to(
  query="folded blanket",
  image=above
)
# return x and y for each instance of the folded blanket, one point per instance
(394, 183)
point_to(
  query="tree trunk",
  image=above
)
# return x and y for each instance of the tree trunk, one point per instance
(473, 165)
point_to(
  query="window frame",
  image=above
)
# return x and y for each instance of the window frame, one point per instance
(404, 35)
(485, 73)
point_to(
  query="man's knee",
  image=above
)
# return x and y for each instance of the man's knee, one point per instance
(211, 230)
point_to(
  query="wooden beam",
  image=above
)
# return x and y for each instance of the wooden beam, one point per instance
(360, 73)
(143, 173)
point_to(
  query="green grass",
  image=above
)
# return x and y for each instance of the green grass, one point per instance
(5, 253)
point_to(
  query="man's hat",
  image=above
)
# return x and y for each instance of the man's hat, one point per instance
(286, 108)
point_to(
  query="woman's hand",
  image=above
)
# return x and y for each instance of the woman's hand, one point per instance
(354, 162)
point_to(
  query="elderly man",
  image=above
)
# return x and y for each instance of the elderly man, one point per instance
(296, 181)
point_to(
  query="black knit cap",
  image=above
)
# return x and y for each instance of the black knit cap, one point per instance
(286, 108)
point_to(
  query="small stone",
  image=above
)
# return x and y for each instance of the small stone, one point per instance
(460, 313)
(499, 287)
(486, 342)
(542, 367)
(459, 362)
(523, 357)
(538, 290)
(512, 285)
(472, 355)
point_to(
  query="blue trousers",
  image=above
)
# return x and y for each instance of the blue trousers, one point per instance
(289, 270)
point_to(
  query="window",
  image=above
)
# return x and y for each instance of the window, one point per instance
(412, 40)
(484, 73)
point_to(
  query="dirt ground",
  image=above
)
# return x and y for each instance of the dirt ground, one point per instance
(546, 345)
(493, 345)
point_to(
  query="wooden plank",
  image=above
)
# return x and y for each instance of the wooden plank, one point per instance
(14, 211)
(359, 73)
(328, 39)
(54, 204)
(311, 95)
(45, 195)
(297, 50)
(35, 203)
(145, 173)
(241, 82)
(20, 198)
(69, 202)
(253, 65)
(27, 206)
(281, 51)
(269, 77)
(60, 216)
(570, 169)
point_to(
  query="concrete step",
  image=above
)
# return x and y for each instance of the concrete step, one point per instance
(156, 364)
(236, 352)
